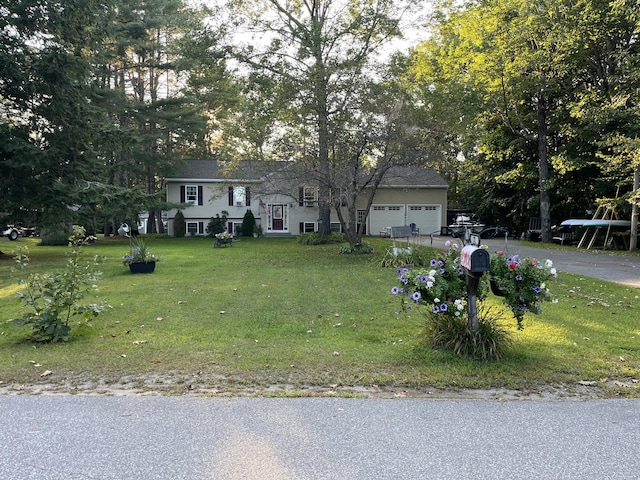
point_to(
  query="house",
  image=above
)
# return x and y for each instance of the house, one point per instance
(284, 205)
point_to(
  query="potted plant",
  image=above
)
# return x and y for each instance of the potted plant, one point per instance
(140, 259)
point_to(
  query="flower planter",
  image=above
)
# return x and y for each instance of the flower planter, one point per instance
(495, 289)
(142, 267)
(221, 242)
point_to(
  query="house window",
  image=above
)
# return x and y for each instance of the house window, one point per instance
(307, 196)
(239, 196)
(336, 227)
(310, 196)
(191, 194)
(309, 227)
(192, 228)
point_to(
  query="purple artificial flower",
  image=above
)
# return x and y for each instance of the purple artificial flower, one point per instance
(424, 279)
(536, 289)
(416, 296)
(395, 290)
(443, 307)
(433, 262)
(519, 278)
(436, 309)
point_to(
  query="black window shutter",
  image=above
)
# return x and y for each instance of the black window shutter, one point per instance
(301, 226)
(182, 194)
(247, 191)
(200, 228)
(200, 195)
(231, 196)
(301, 196)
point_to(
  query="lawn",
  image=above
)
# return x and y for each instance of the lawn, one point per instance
(274, 317)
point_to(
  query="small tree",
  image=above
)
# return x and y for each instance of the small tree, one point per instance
(217, 224)
(56, 297)
(179, 225)
(248, 224)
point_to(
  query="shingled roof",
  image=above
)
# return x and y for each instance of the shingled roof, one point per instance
(413, 177)
(203, 169)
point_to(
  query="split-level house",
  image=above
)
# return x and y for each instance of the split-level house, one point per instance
(285, 203)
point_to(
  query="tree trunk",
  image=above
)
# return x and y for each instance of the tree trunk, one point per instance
(633, 241)
(543, 166)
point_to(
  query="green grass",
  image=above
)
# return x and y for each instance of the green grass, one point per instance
(276, 317)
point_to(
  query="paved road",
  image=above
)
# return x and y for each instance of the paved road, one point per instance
(616, 267)
(60, 437)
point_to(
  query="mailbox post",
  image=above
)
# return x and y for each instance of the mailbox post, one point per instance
(475, 262)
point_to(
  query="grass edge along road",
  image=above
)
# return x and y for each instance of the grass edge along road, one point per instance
(274, 317)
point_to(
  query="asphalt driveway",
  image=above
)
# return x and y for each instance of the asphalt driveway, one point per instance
(615, 267)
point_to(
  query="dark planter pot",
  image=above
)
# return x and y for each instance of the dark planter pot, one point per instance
(142, 267)
(495, 289)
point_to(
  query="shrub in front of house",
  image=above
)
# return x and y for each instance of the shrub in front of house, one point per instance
(317, 239)
(217, 224)
(248, 224)
(179, 225)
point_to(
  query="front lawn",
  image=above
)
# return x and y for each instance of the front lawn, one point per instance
(275, 317)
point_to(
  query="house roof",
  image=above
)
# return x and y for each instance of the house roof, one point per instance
(205, 169)
(213, 170)
(413, 177)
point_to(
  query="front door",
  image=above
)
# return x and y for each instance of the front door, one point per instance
(278, 217)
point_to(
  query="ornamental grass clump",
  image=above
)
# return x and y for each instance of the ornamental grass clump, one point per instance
(522, 282)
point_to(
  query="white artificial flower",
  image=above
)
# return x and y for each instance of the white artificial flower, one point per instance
(548, 263)
(436, 300)
(552, 271)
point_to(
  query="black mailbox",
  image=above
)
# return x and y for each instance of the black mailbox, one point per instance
(474, 259)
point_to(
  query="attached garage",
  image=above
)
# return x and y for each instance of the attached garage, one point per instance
(383, 216)
(428, 218)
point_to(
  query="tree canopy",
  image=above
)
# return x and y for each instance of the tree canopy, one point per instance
(537, 78)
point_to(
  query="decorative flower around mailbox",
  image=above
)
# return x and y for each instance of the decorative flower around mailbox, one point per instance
(441, 287)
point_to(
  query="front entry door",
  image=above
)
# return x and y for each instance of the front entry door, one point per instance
(279, 217)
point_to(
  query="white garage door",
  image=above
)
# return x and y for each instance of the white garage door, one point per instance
(383, 216)
(426, 217)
